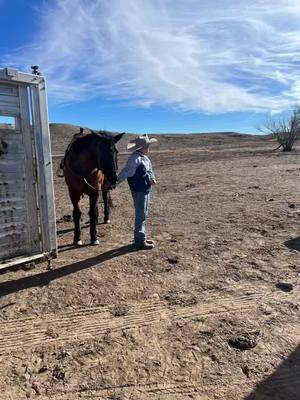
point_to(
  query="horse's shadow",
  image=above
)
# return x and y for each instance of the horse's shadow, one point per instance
(67, 247)
(44, 278)
(85, 226)
(293, 244)
(63, 231)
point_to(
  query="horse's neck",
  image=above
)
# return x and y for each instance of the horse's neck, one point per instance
(88, 160)
(83, 158)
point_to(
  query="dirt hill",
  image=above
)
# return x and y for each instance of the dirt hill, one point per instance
(61, 135)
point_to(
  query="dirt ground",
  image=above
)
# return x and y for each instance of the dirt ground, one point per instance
(211, 313)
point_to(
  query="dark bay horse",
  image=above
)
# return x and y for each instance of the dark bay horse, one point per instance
(90, 166)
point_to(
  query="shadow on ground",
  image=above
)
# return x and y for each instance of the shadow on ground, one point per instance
(43, 278)
(283, 384)
(293, 244)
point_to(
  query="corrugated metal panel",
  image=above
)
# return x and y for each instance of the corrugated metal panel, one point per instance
(19, 230)
(27, 214)
(9, 100)
(8, 90)
(14, 221)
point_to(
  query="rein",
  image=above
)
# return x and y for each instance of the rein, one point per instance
(82, 177)
(87, 183)
(91, 186)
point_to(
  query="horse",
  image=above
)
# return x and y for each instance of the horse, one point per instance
(91, 165)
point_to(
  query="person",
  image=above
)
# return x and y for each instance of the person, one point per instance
(60, 171)
(140, 176)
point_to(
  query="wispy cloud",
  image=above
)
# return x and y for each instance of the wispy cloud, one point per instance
(209, 56)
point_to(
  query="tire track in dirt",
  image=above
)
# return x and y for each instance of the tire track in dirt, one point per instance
(170, 391)
(91, 322)
(177, 390)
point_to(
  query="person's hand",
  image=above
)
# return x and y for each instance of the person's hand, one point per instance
(153, 182)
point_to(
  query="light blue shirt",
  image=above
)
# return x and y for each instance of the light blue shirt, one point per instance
(134, 160)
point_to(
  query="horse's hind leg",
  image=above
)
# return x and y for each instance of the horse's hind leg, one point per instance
(75, 198)
(106, 202)
(93, 219)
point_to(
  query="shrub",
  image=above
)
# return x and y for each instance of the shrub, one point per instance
(286, 131)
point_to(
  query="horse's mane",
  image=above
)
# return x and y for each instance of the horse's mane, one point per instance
(84, 142)
(104, 133)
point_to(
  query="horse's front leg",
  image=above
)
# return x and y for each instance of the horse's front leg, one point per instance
(106, 202)
(75, 198)
(93, 218)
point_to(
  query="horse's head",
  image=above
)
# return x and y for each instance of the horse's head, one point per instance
(107, 157)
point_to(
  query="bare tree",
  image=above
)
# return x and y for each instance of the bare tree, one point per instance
(286, 131)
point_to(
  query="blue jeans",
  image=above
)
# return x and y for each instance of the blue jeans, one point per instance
(141, 206)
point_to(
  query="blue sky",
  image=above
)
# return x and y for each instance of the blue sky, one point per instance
(158, 65)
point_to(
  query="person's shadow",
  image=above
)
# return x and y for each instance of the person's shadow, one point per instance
(43, 278)
(293, 244)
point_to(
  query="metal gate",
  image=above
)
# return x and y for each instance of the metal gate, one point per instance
(27, 215)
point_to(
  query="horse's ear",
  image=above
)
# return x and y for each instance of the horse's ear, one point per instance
(118, 137)
(92, 132)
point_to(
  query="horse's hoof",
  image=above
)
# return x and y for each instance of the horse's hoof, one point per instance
(77, 243)
(95, 242)
(107, 221)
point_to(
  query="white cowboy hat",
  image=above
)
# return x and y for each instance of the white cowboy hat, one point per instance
(140, 142)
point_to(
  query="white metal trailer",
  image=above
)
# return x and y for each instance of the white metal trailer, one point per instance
(27, 212)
